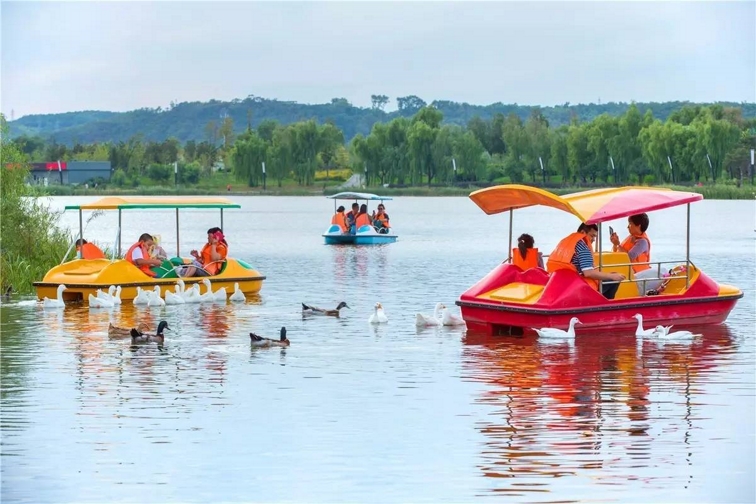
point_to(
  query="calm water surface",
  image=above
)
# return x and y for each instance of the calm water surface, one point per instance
(354, 413)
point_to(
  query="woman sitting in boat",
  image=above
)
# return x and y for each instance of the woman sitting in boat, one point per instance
(525, 256)
(363, 219)
(88, 250)
(381, 220)
(638, 248)
(339, 219)
(213, 255)
(139, 255)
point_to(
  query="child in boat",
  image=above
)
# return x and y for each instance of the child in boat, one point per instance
(525, 255)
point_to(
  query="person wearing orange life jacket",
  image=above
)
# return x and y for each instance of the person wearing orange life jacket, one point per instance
(638, 248)
(574, 253)
(88, 250)
(381, 220)
(351, 217)
(525, 256)
(209, 261)
(363, 219)
(339, 219)
(139, 255)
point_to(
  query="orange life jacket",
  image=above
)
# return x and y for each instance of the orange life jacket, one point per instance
(381, 216)
(362, 220)
(145, 255)
(208, 264)
(340, 220)
(561, 257)
(530, 260)
(90, 251)
(627, 245)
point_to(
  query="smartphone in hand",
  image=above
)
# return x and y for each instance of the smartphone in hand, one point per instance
(611, 230)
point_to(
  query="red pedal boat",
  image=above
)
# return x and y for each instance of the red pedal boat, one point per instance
(511, 301)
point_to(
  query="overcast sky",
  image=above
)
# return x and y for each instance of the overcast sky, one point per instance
(60, 57)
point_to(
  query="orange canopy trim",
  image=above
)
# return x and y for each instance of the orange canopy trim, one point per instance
(591, 207)
(134, 202)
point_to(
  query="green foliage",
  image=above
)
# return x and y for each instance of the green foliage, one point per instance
(160, 172)
(118, 178)
(30, 240)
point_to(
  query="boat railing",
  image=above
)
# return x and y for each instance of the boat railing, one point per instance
(644, 281)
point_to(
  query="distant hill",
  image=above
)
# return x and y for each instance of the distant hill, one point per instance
(187, 121)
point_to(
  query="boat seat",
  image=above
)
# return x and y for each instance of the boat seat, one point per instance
(517, 292)
(89, 269)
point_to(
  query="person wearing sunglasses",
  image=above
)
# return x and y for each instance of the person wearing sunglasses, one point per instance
(381, 220)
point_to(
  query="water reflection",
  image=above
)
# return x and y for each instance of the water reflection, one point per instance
(558, 409)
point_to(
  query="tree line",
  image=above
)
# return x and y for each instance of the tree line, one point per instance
(694, 144)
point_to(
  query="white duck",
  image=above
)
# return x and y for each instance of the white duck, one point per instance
(155, 299)
(550, 332)
(117, 296)
(100, 302)
(173, 299)
(48, 303)
(646, 332)
(106, 296)
(238, 296)
(422, 319)
(192, 295)
(449, 319)
(662, 332)
(142, 298)
(219, 295)
(378, 317)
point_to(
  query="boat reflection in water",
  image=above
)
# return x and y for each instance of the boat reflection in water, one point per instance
(593, 408)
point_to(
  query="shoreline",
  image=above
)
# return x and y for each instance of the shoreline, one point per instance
(715, 192)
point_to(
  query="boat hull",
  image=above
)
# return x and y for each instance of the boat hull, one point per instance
(83, 277)
(366, 235)
(510, 301)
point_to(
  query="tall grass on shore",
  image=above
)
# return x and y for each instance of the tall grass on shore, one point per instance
(30, 240)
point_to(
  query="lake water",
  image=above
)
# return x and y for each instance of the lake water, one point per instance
(359, 413)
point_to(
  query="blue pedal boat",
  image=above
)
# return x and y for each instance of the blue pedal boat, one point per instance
(365, 235)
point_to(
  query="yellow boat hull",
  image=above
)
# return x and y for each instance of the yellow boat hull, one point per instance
(84, 276)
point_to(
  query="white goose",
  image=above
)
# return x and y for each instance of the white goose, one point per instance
(173, 299)
(155, 299)
(106, 296)
(422, 319)
(647, 332)
(449, 319)
(99, 302)
(662, 333)
(219, 295)
(192, 295)
(142, 298)
(238, 296)
(208, 296)
(117, 296)
(378, 317)
(550, 332)
(48, 303)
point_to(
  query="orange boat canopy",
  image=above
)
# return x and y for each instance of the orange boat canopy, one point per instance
(591, 207)
(133, 202)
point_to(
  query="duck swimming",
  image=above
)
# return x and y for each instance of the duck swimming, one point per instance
(314, 310)
(140, 338)
(125, 332)
(647, 332)
(449, 319)
(238, 296)
(423, 320)
(550, 332)
(58, 301)
(663, 333)
(378, 316)
(259, 341)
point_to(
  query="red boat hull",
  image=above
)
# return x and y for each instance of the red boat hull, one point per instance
(566, 295)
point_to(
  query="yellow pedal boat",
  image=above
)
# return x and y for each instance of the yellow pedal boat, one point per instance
(84, 276)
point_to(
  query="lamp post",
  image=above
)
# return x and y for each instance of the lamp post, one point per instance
(671, 169)
(543, 172)
(366, 175)
(175, 173)
(265, 176)
(614, 170)
(711, 168)
(454, 165)
(750, 168)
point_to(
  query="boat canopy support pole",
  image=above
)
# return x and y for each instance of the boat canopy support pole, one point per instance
(178, 247)
(509, 250)
(687, 248)
(221, 218)
(119, 232)
(601, 261)
(81, 227)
